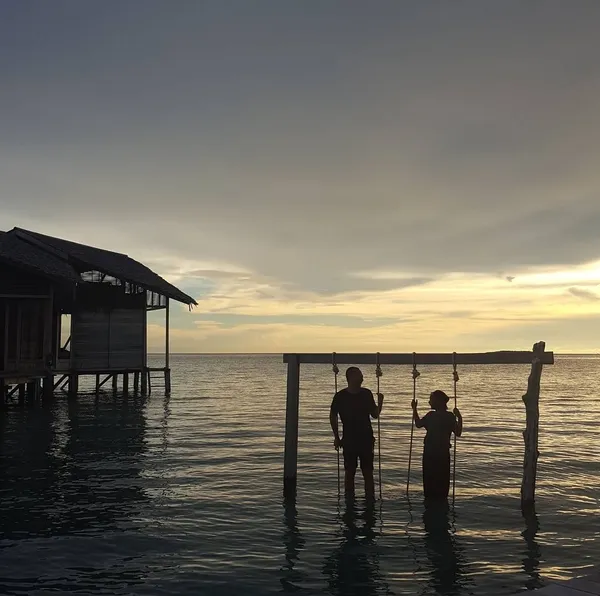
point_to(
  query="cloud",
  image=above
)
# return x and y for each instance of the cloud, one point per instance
(584, 294)
(333, 160)
(224, 320)
(422, 318)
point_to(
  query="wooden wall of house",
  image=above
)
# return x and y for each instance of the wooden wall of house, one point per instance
(108, 339)
(24, 309)
(16, 283)
(101, 296)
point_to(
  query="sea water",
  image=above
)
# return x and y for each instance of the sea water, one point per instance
(183, 494)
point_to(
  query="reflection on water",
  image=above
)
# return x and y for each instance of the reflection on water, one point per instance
(353, 566)
(533, 554)
(181, 495)
(294, 543)
(70, 468)
(443, 550)
(57, 469)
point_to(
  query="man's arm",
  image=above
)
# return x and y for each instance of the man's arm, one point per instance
(375, 410)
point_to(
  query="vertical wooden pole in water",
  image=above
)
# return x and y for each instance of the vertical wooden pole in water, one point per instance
(73, 385)
(290, 464)
(145, 351)
(115, 383)
(97, 383)
(125, 383)
(31, 391)
(167, 360)
(136, 382)
(532, 422)
(48, 387)
(73, 379)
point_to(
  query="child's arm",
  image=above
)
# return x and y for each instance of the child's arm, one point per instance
(418, 421)
(458, 428)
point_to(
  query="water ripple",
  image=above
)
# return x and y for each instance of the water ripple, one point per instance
(182, 495)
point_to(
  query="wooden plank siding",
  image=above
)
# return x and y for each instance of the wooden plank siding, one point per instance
(90, 340)
(105, 340)
(18, 284)
(23, 336)
(126, 339)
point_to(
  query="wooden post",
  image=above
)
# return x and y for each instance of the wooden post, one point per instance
(125, 383)
(144, 378)
(167, 317)
(136, 382)
(21, 393)
(97, 383)
(115, 382)
(73, 385)
(531, 400)
(167, 359)
(290, 465)
(48, 387)
(31, 391)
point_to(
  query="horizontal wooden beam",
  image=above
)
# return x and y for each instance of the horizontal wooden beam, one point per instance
(26, 296)
(503, 357)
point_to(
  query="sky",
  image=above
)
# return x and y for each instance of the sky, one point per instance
(320, 175)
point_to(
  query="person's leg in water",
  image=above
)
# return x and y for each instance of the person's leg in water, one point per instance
(436, 475)
(366, 465)
(350, 465)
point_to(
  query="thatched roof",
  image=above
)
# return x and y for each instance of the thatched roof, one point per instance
(55, 257)
(16, 252)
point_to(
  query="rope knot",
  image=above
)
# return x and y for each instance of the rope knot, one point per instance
(456, 377)
(415, 374)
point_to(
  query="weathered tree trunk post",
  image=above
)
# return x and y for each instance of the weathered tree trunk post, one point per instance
(531, 400)
(290, 465)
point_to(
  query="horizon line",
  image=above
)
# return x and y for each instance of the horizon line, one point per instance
(282, 353)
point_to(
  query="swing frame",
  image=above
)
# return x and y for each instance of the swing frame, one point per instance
(537, 358)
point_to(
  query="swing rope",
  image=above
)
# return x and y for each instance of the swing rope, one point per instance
(336, 371)
(415, 375)
(456, 378)
(379, 374)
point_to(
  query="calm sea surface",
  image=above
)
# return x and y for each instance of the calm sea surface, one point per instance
(182, 495)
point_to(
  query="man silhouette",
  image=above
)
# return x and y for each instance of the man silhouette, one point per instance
(355, 405)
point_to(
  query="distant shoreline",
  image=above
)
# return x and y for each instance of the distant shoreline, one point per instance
(560, 354)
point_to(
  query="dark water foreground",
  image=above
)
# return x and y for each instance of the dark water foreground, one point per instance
(181, 495)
